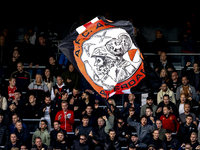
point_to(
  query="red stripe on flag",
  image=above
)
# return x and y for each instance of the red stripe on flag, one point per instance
(87, 24)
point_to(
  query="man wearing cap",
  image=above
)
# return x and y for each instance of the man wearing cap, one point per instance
(149, 103)
(137, 143)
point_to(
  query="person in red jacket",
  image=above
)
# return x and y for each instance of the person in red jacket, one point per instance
(66, 117)
(169, 120)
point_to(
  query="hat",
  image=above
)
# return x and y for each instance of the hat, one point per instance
(134, 134)
(151, 145)
(149, 97)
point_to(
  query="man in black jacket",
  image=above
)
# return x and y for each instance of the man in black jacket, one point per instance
(81, 143)
(185, 130)
(170, 142)
(13, 142)
(155, 140)
(112, 142)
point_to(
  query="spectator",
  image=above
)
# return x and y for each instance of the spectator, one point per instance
(187, 89)
(170, 142)
(4, 134)
(81, 143)
(186, 129)
(12, 63)
(47, 112)
(71, 78)
(84, 128)
(138, 144)
(33, 108)
(23, 147)
(193, 140)
(92, 118)
(60, 143)
(142, 128)
(159, 44)
(186, 146)
(48, 79)
(165, 90)
(58, 88)
(163, 63)
(63, 60)
(66, 117)
(4, 50)
(149, 114)
(42, 133)
(166, 101)
(155, 140)
(56, 130)
(193, 77)
(161, 130)
(183, 116)
(38, 88)
(22, 133)
(39, 145)
(169, 120)
(11, 88)
(54, 67)
(164, 75)
(3, 102)
(174, 82)
(130, 103)
(181, 103)
(135, 117)
(13, 142)
(22, 77)
(149, 103)
(188, 43)
(33, 36)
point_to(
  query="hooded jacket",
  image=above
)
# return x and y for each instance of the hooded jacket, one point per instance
(44, 135)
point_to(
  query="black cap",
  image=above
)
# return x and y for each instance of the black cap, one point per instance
(149, 97)
(151, 145)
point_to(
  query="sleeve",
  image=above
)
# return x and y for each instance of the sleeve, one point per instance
(47, 139)
(33, 138)
(177, 124)
(158, 98)
(56, 117)
(4, 104)
(52, 94)
(153, 127)
(71, 120)
(132, 123)
(61, 59)
(193, 93)
(108, 124)
(173, 98)
(177, 94)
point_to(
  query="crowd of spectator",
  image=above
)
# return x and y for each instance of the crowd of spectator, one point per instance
(58, 95)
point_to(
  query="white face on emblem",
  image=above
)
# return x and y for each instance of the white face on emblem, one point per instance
(106, 58)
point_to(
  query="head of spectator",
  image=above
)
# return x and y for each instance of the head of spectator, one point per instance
(164, 74)
(174, 76)
(42, 40)
(166, 110)
(85, 121)
(26, 37)
(1, 118)
(12, 82)
(14, 148)
(18, 126)
(187, 108)
(23, 147)
(168, 134)
(47, 100)
(32, 100)
(196, 67)
(189, 120)
(100, 121)
(56, 125)
(17, 95)
(143, 120)
(159, 124)
(64, 106)
(164, 87)
(13, 138)
(134, 138)
(60, 136)
(120, 123)
(112, 102)
(59, 80)
(15, 54)
(149, 100)
(52, 61)
(182, 98)
(155, 134)
(112, 134)
(20, 67)
(85, 96)
(163, 56)
(149, 111)
(131, 111)
(83, 139)
(131, 98)
(159, 34)
(38, 142)
(75, 92)
(151, 147)
(43, 125)
(185, 80)
(15, 118)
(47, 75)
(166, 99)
(2, 40)
(193, 137)
(71, 68)
(64, 95)
(89, 110)
(13, 107)
(131, 147)
(38, 79)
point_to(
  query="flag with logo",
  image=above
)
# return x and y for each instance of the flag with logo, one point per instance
(106, 54)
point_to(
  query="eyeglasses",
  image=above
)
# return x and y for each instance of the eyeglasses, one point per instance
(120, 122)
(82, 139)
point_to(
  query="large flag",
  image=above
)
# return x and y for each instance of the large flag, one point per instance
(106, 54)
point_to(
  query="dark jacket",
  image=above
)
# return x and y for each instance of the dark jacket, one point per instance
(43, 146)
(175, 144)
(78, 146)
(54, 133)
(23, 135)
(160, 66)
(109, 145)
(4, 134)
(9, 145)
(59, 145)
